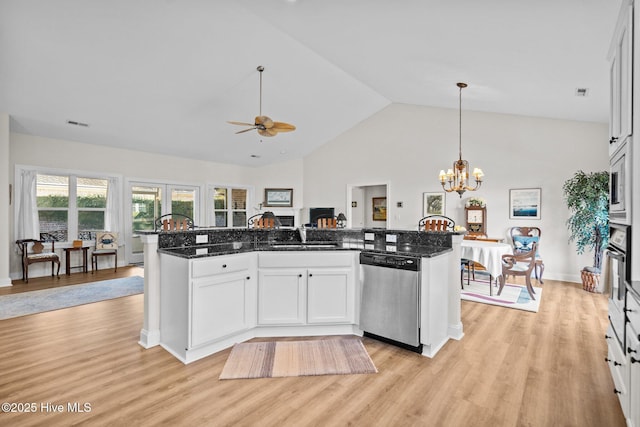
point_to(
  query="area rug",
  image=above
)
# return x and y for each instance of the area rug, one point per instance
(513, 296)
(336, 356)
(24, 303)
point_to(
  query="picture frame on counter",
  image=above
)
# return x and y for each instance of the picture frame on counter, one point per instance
(433, 203)
(525, 203)
(278, 197)
(379, 208)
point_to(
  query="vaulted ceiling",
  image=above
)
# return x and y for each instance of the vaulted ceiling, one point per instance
(165, 76)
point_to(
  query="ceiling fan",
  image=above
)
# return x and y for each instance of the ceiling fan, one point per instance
(263, 124)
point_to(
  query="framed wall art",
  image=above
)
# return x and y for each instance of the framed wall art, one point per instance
(278, 197)
(524, 203)
(433, 203)
(379, 205)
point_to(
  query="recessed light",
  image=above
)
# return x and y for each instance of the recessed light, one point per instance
(582, 91)
(283, 151)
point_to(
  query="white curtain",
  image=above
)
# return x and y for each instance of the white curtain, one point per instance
(28, 223)
(112, 214)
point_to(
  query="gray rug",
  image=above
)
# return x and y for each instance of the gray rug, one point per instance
(25, 303)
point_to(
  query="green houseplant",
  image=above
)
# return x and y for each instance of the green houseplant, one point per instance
(587, 197)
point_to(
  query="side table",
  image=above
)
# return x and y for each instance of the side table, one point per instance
(67, 255)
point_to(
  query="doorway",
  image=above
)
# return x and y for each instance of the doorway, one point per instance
(360, 210)
(147, 201)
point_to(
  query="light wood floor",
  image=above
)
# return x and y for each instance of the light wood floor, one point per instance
(512, 368)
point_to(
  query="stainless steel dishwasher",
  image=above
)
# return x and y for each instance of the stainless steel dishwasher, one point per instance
(390, 303)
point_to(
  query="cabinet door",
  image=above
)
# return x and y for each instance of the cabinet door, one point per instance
(219, 307)
(330, 296)
(281, 296)
(633, 354)
(620, 78)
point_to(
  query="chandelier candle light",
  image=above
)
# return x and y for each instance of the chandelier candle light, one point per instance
(458, 177)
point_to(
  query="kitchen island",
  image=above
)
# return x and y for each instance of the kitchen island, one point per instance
(202, 298)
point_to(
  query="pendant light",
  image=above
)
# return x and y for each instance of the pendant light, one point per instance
(457, 179)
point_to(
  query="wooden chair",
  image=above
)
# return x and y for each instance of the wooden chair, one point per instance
(106, 245)
(436, 223)
(444, 223)
(521, 264)
(173, 222)
(522, 238)
(327, 222)
(32, 251)
(267, 223)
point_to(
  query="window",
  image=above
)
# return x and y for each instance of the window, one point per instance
(71, 207)
(52, 195)
(230, 207)
(91, 202)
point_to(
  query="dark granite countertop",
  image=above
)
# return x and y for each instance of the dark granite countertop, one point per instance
(202, 251)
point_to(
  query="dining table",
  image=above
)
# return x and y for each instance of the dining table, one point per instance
(488, 254)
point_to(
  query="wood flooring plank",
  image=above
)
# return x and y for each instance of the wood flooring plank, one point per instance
(511, 368)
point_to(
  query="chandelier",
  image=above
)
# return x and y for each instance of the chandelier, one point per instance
(457, 179)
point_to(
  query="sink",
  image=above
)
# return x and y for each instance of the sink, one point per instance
(304, 245)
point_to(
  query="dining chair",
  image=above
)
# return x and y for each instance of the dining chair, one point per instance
(106, 245)
(520, 264)
(33, 251)
(522, 239)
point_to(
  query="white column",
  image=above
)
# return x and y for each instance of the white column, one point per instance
(5, 206)
(150, 332)
(455, 321)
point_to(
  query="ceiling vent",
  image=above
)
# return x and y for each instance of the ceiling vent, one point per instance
(74, 123)
(582, 91)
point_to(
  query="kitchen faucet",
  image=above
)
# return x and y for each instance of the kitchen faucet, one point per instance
(303, 233)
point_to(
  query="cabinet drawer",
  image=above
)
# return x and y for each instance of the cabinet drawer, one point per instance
(633, 344)
(618, 366)
(219, 265)
(633, 311)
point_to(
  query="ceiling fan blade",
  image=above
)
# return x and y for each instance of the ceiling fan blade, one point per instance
(267, 132)
(283, 127)
(240, 123)
(264, 121)
(246, 130)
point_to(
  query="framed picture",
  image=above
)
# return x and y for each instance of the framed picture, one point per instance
(433, 203)
(278, 197)
(379, 208)
(524, 203)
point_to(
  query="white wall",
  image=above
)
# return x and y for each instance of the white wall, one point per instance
(408, 145)
(404, 146)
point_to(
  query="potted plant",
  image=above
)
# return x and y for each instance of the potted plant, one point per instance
(587, 197)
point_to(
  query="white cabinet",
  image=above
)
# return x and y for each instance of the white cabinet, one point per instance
(633, 359)
(306, 288)
(220, 307)
(619, 371)
(205, 300)
(620, 80)
(330, 296)
(633, 350)
(281, 296)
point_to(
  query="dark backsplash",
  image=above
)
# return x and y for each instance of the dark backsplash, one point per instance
(177, 239)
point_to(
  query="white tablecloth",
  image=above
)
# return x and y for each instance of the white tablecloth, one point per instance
(489, 254)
